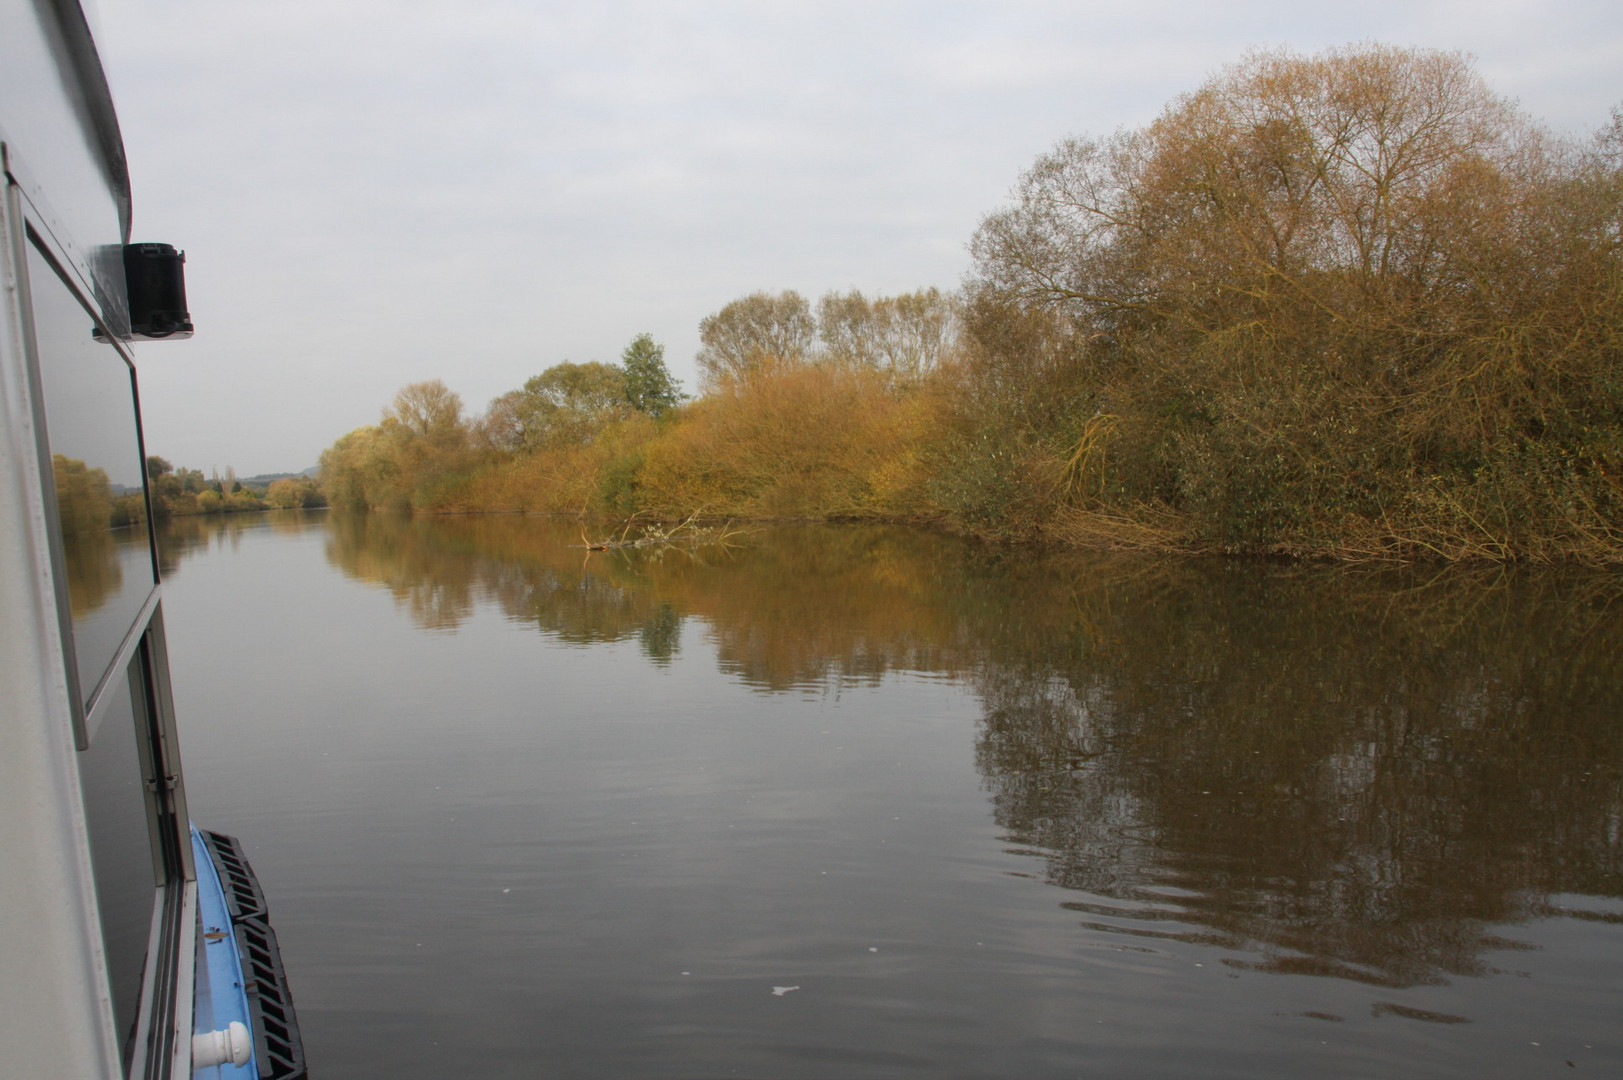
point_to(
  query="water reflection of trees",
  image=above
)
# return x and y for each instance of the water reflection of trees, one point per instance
(808, 608)
(1349, 773)
(1352, 775)
(84, 509)
(182, 537)
(440, 570)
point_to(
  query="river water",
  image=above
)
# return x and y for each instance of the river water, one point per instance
(874, 802)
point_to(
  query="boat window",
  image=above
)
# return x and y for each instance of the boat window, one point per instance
(99, 473)
(112, 775)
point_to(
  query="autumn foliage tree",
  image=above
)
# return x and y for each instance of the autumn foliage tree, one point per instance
(567, 403)
(755, 333)
(907, 336)
(1352, 304)
(419, 449)
(294, 493)
(1353, 299)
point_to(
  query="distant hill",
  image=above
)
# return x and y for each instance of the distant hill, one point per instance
(266, 479)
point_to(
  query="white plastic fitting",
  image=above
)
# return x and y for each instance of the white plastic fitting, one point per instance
(232, 1046)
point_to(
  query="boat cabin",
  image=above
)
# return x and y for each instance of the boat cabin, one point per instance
(127, 938)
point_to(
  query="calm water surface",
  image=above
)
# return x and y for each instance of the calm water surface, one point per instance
(858, 802)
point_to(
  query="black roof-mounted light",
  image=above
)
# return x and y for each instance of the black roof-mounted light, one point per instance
(155, 275)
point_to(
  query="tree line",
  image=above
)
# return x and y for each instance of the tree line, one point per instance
(1352, 304)
(87, 502)
(182, 491)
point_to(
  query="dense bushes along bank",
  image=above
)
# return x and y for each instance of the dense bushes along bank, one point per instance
(1350, 305)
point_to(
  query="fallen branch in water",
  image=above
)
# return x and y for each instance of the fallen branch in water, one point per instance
(685, 533)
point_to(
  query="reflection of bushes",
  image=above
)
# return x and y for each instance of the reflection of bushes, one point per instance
(84, 498)
(181, 537)
(804, 608)
(661, 636)
(1353, 777)
(1352, 774)
(439, 569)
(94, 573)
(87, 511)
(436, 585)
(182, 492)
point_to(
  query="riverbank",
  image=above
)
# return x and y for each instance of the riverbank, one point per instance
(1216, 334)
(818, 444)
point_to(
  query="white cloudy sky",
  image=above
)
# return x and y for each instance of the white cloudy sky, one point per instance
(373, 193)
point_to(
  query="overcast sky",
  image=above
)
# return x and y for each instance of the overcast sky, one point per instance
(375, 193)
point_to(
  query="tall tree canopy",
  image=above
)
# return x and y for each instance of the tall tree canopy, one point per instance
(419, 448)
(758, 331)
(649, 387)
(1309, 283)
(425, 410)
(906, 336)
(568, 402)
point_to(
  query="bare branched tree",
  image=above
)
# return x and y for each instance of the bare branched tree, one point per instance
(758, 331)
(906, 336)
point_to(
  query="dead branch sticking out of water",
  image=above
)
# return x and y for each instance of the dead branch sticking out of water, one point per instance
(656, 535)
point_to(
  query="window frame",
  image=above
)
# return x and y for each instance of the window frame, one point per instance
(139, 666)
(89, 703)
